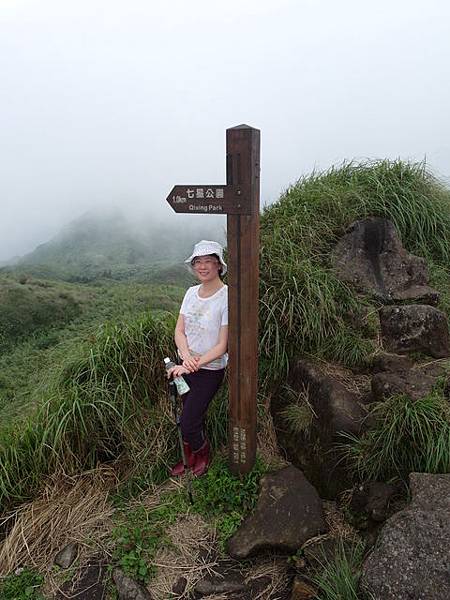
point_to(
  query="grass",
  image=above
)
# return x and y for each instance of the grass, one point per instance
(338, 578)
(21, 366)
(105, 402)
(408, 436)
(304, 308)
(298, 413)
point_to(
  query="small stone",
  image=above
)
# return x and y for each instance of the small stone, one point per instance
(179, 586)
(215, 586)
(301, 590)
(66, 556)
(128, 589)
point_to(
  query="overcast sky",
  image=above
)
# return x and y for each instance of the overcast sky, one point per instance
(114, 101)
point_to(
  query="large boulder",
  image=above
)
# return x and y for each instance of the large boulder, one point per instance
(415, 328)
(371, 258)
(334, 409)
(412, 556)
(288, 513)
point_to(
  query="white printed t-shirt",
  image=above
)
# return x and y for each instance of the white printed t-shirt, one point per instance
(203, 318)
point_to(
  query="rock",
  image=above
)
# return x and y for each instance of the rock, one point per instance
(90, 584)
(179, 586)
(335, 410)
(370, 256)
(214, 586)
(128, 589)
(302, 590)
(412, 555)
(415, 328)
(390, 362)
(373, 499)
(66, 556)
(411, 383)
(288, 512)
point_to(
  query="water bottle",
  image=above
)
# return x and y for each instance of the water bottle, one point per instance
(182, 386)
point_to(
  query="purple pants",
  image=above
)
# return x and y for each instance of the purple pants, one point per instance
(204, 384)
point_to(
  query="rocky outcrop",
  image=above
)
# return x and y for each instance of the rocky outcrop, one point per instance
(288, 513)
(335, 409)
(416, 328)
(412, 556)
(371, 258)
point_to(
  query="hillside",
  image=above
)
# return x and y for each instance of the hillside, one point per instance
(109, 244)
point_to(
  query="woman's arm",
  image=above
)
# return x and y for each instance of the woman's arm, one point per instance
(189, 361)
(216, 351)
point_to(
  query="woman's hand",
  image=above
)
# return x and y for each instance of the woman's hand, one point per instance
(191, 363)
(177, 371)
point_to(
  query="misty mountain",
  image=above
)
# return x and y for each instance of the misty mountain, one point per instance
(111, 245)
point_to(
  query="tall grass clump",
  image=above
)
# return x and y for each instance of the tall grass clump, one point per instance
(408, 436)
(304, 308)
(338, 577)
(108, 401)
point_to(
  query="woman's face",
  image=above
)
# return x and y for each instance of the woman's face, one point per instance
(206, 268)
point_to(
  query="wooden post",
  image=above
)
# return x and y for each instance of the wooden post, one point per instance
(239, 200)
(243, 167)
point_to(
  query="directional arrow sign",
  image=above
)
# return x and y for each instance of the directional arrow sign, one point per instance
(213, 199)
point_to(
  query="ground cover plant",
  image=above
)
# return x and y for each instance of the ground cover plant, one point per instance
(221, 498)
(24, 585)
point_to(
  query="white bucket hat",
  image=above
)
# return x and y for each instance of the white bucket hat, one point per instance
(204, 248)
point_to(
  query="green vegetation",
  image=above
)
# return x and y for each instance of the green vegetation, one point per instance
(81, 379)
(298, 414)
(103, 402)
(22, 363)
(226, 499)
(24, 585)
(303, 307)
(220, 498)
(408, 436)
(28, 306)
(338, 578)
(141, 532)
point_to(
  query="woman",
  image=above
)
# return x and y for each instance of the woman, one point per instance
(201, 336)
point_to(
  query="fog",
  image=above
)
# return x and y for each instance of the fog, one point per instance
(110, 102)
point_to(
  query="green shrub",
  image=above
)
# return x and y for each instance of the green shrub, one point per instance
(408, 435)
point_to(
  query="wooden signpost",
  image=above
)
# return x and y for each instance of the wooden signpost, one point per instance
(239, 200)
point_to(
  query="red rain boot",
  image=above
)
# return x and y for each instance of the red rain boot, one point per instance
(178, 469)
(201, 460)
